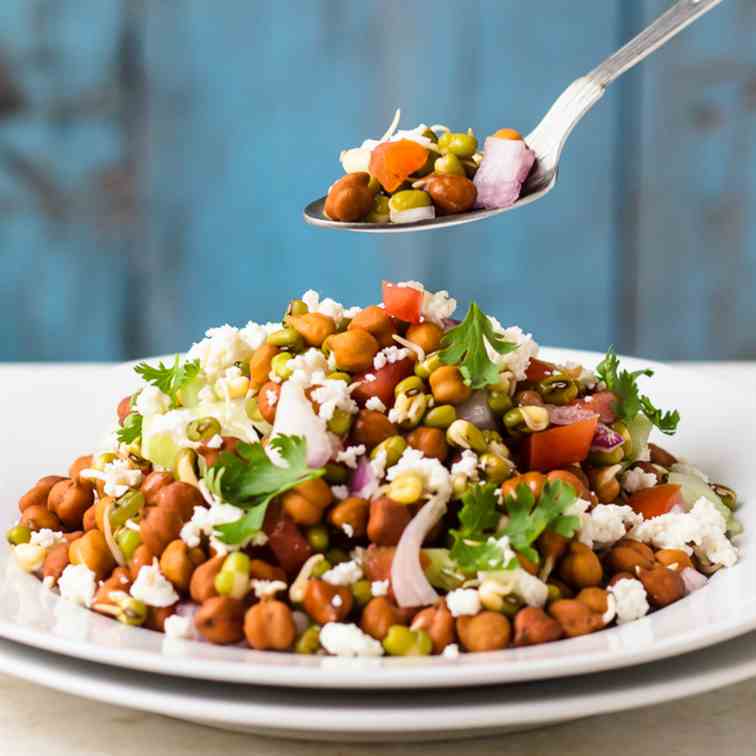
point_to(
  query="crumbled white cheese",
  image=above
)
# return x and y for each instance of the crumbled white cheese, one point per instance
(416, 285)
(348, 529)
(636, 479)
(374, 403)
(438, 307)
(268, 588)
(215, 442)
(350, 455)
(47, 538)
(340, 492)
(606, 524)
(518, 360)
(586, 378)
(435, 476)
(271, 396)
(332, 394)
(451, 651)
(117, 476)
(368, 378)
(77, 584)
(343, 639)
(337, 601)
(152, 401)
(304, 366)
(389, 355)
(219, 350)
(344, 573)
(467, 465)
(205, 519)
(255, 334)
(178, 627)
(630, 598)
(329, 307)
(152, 587)
(703, 526)
(517, 581)
(379, 587)
(463, 601)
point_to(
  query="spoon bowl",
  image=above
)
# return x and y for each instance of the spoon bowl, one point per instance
(548, 138)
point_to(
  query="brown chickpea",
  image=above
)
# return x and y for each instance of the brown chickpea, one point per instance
(675, 559)
(580, 568)
(350, 198)
(220, 620)
(267, 400)
(120, 580)
(378, 616)
(100, 506)
(607, 490)
(626, 555)
(596, 599)
(533, 626)
(89, 520)
(314, 327)
(447, 385)
(56, 560)
(261, 570)
(438, 622)
(70, 500)
(202, 583)
(486, 631)
(371, 427)
(154, 483)
(564, 590)
(157, 615)
(387, 521)
(377, 323)
(260, 364)
(37, 496)
(661, 456)
(354, 350)
(269, 626)
(142, 557)
(450, 193)
(663, 586)
(81, 463)
(426, 335)
(92, 550)
(352, 512)
(177, 564)
(123, 410)
(38, 517)
(575, 617)
(181, 498)
(535, 481)
(430, 441)
(551, 546)
(325, 602)
(158, 527)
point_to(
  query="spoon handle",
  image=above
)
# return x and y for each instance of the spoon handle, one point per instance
(548, 138)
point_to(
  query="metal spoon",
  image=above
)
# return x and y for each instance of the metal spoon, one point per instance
(548, 138)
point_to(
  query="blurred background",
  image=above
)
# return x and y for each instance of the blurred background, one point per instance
(155, 158)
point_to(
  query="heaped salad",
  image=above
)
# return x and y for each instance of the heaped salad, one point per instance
(418, 174)
(378, 480)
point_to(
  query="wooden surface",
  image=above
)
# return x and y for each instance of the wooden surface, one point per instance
(155, 157)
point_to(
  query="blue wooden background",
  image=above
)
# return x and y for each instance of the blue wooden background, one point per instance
(155, 157)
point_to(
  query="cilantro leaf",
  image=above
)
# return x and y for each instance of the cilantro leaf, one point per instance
(527, 522)
(131, 429)
(169, 379)
(623, 384)
(465, 345)
(250, 480)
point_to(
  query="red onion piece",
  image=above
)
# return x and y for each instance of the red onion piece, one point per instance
(605, 439)
(693, 579)
(476, 410)
(363, 482)
(296, 417)
(568, 414)
(408, 580)
(506, 164)
(602, 403)
(449, 323)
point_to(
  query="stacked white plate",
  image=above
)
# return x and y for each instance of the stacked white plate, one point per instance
(54, 643)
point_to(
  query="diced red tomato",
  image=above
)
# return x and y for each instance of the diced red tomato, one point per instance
(538, 370)
(557, 447)
(403, 302)
(602, 403)
(392, 163)
(286, 541)
(655, 501)
(385, 381)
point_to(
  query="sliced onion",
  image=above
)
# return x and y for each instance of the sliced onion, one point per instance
(296, 417)
(568, 414)
(476, 410)
(408, 580)
(605, 439)
(416, 348)
(413, 214)
(693, 579)
(506, 164)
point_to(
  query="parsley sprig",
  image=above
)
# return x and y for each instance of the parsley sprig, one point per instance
(169, 379)
(465, 345)
(624, 385)
(248, 479)
(131, 429)
(475, 544)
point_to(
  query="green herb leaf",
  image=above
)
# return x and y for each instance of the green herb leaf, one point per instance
(630, 401)
(169, 379)
(250, 480)
(527, 522)
(131, 429)
(465, 345)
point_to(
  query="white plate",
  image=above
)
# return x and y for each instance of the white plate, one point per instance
(379, 717)
(717, 433)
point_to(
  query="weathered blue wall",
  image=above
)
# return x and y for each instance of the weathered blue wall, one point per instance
(155, 157)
